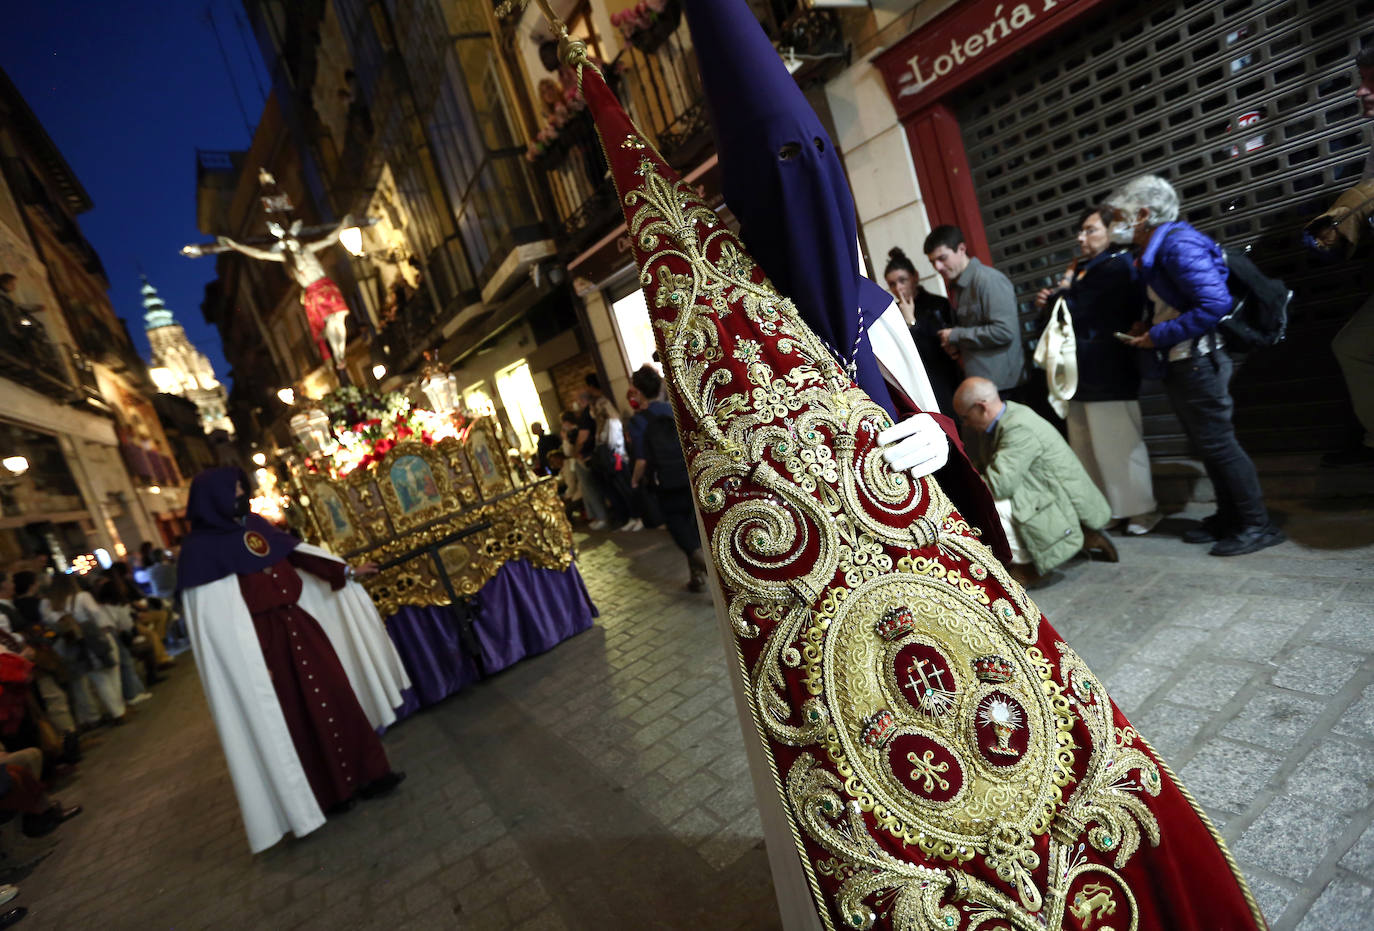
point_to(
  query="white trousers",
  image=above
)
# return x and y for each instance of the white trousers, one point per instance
(1109, 439)
(1018, 550)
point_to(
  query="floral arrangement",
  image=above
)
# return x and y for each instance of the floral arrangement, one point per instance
(563, 113)
(366, 426)
(643, 15)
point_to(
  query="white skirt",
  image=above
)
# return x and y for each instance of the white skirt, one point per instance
(1109, 439)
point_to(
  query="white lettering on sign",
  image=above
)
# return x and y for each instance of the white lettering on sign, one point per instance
(1005, 22)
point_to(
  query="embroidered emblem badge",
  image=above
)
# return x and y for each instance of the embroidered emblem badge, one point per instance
(256, 543)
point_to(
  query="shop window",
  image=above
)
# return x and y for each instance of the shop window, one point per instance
(515, 385)
(632, 325)
(477, 401)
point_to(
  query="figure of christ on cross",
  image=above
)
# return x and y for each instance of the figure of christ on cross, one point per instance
(325, 308)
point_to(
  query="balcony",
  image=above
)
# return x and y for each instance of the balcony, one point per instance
(657, 82)
(30, 358)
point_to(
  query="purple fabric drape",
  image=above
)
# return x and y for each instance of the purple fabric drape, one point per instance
(524, 610)
(428, 642)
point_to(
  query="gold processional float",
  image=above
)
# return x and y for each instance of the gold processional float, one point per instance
(442, 501)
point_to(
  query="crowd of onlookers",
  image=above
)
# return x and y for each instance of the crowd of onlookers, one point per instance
(1143, 299)
(1147, 297)
(626, 473)
(77, 652)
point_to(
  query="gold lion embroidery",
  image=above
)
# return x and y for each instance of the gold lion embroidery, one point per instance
(1094, 897)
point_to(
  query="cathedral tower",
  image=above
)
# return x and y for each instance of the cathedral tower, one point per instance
(179, 368)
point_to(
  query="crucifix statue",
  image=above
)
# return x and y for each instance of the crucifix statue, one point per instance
(296, 247)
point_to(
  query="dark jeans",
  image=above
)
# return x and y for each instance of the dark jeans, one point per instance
(1197, 389)
(680, 518)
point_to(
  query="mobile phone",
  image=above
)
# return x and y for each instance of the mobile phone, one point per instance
(1124, 337)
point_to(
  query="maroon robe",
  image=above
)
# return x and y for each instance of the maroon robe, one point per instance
(338, 749)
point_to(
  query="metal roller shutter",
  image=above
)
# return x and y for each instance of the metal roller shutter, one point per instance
(1248, 108)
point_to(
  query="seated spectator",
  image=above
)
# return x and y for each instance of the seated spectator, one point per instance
(1106, 430)
(88, 650)
(1185, 274)
(21, 790)
(1049, 507)
(50, 674)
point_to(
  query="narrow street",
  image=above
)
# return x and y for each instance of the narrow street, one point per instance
(604, 784)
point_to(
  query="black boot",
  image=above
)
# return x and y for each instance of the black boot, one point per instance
(696, 566)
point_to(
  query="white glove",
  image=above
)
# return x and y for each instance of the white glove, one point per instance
(917, 445)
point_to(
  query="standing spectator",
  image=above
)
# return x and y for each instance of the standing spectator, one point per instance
(593, 497)
(133, 640)
(545, 443)
(161, 616)
(927, 315)
(1106, 430)
(641, 492)
(665, 471)
(87, 649)
(1185, 274)
(986, 336)
(1354, 344)
(162, 575)
(611, 463)
(1049, 506)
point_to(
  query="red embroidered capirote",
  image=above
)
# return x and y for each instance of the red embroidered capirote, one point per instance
(945, 759)
(337, 747)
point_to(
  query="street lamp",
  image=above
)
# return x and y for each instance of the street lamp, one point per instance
(351, 238)
(440, 387)
(311, 427)
(16, 464)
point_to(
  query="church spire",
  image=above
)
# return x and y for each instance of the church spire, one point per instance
(155, 313)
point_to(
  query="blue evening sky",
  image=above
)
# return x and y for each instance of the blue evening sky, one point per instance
(128, 92)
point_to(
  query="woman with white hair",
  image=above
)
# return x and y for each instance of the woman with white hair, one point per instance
(1185, 274)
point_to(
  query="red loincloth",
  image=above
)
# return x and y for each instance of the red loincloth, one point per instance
(322, 301)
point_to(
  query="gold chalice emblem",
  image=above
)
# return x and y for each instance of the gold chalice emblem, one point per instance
(1005, 719)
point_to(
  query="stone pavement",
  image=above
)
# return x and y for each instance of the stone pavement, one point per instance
(604, 784)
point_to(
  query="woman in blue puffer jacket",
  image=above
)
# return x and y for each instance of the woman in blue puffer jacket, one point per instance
(1184, 272)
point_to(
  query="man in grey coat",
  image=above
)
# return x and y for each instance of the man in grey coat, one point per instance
(986, 336)
(1049, 506)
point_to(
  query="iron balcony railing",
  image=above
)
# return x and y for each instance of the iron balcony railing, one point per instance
(656, 79)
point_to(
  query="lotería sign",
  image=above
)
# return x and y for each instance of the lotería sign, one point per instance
(965, 41)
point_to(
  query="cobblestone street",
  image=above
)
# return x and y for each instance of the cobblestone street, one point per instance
(604, 784)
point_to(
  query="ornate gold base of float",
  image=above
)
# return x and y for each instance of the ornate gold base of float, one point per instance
(440, 519)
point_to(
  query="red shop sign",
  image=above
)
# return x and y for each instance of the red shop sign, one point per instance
(963, 42)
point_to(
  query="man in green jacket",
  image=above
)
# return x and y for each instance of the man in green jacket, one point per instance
(1049, 506)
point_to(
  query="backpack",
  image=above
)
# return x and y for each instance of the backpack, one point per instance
(1259, 310)
(665, 452)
